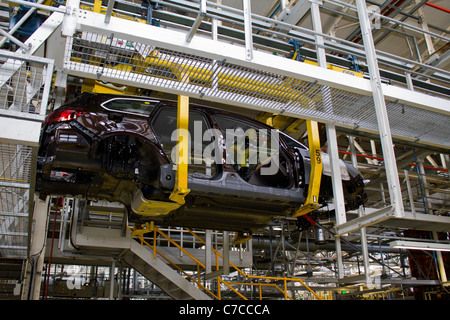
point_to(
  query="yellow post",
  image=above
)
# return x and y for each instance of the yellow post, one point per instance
(182, 152)
(181, 185)
(312, 199)
(285, 290)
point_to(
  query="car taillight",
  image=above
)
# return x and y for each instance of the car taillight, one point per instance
(64, 115)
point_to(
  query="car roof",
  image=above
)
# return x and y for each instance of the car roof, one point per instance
(102, 97)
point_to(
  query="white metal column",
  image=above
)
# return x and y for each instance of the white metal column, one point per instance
(363, 234)
(33, 275)
(390, 164)
(226, 253)
(440, 261)
(317, 26)
(248, 29)
(112, 271)
(208, 251)
(338, 192)
(336, 179)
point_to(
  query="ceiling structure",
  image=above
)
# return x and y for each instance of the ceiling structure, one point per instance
(406, 42)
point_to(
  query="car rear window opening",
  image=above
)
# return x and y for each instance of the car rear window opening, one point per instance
(137, 106)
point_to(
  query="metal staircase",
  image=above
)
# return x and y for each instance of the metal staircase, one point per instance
(140, 258)
(157, 271)
(175, 260)
(101, 229)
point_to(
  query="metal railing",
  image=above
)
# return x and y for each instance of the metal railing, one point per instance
(271, 26)
(278, 283)
(25, 83)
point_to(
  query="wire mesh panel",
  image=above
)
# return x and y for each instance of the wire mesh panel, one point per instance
(23, 91)
(112, 59)
(15, 163)
(25, 83)
(15, 178)
(14, 204)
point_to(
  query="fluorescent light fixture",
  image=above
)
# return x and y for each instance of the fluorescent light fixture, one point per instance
(417, 245)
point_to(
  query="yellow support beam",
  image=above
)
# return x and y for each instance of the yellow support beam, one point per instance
(293, 126)
(139, 231)
(312, 199)
(182, 151)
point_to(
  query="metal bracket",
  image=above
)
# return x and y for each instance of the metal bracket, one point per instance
(70, 19)
(248, 30)
(139, 232)
(365, 220)
(201, 15)
(312, 199)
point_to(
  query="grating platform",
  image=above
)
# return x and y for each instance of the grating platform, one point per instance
(385, 217)
(105, 52)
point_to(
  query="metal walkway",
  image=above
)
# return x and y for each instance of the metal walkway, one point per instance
(154, 58)
(141, 259)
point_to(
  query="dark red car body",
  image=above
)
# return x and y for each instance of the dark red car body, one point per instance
(115, 148)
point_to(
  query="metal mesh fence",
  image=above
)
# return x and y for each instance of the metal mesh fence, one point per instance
(15, 163)
(22, 86)
(13, 221)
(24, 89)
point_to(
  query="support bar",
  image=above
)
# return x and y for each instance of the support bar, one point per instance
(20, 22)
(248, 29)
(109, 9)
(181, 178)
(336, 178)
(61, 9)
(201, 15)
(14, 39)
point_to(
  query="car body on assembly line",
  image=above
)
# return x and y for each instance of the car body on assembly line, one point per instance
(120, 149)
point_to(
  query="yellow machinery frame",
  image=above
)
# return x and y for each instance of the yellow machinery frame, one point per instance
(312, 199)
(181, 177)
